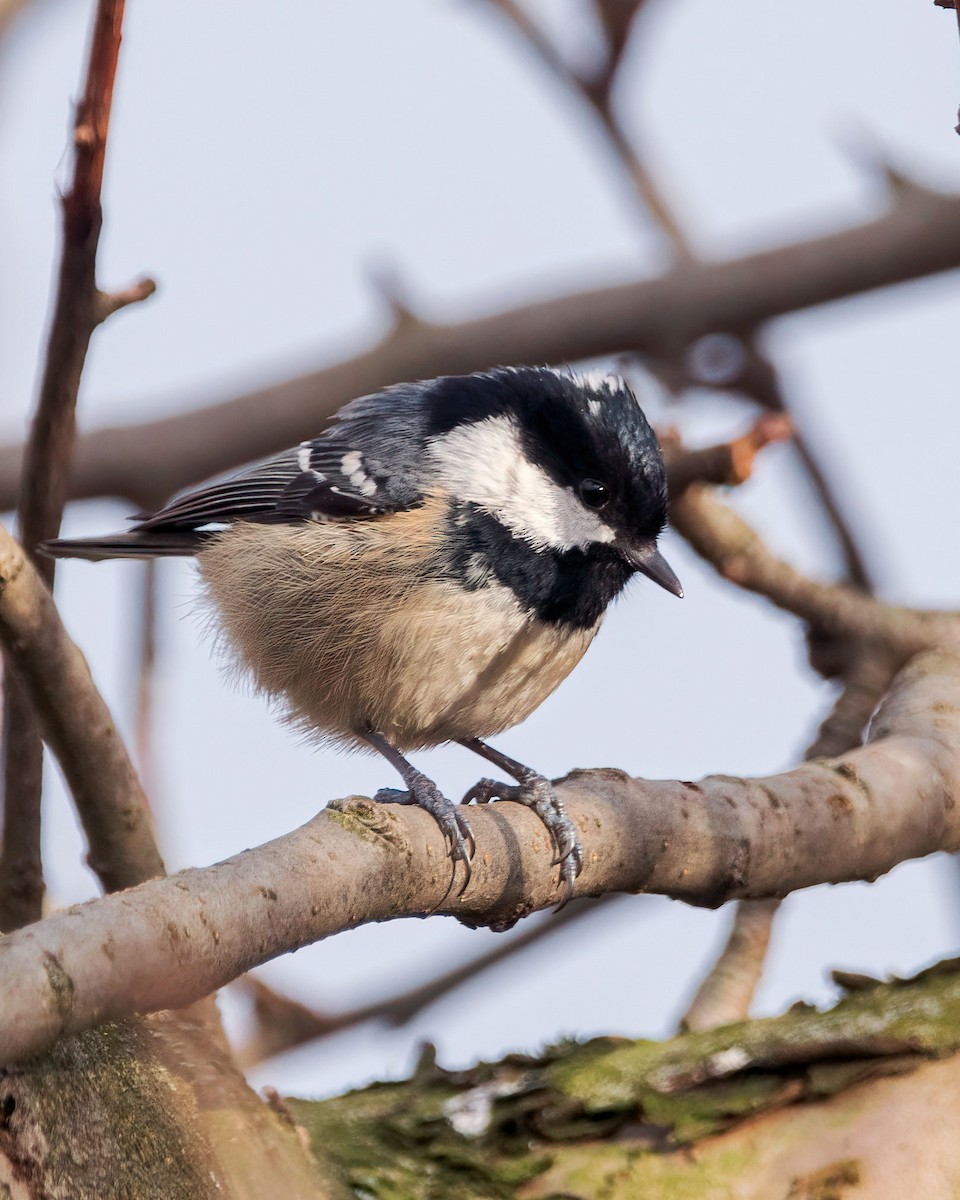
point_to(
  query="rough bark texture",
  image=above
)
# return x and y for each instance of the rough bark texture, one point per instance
(860, 1101)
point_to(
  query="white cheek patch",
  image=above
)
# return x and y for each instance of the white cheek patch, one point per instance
(483, 463)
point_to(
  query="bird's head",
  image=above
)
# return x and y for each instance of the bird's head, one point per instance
(565, 462)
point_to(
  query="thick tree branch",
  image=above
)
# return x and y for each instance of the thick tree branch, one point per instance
(918, 236)
(169, 941)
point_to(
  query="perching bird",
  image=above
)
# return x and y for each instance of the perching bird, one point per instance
(430, 568)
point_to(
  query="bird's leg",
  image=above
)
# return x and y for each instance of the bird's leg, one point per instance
(537, 793)
(425, 793)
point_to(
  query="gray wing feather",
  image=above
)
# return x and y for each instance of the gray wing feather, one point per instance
(370, 462)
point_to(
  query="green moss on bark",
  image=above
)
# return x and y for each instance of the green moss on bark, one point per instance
(499, 1129)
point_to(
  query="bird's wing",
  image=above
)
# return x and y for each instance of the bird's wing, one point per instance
(369, 463)
(317, 480)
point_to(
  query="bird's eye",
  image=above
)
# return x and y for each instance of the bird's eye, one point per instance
(594, 494)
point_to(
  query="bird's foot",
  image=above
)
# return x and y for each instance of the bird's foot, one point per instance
(538, 793)
(454, 826)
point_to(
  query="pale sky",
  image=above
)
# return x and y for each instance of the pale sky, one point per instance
(264, 162)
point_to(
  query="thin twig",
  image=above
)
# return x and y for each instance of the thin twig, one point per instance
(78, 308)
(598, 98)
(726, 464)
(108, 303)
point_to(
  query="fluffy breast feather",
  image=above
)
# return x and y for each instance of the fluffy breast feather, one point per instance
(355, 625)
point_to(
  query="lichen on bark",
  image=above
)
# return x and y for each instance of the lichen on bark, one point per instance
(790, 1106)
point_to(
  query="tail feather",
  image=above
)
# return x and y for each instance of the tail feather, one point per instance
(134, 543)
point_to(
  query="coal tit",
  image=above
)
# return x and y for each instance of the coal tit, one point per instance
(430, 568)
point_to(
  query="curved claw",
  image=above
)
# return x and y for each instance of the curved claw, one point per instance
(570, 868)
(537, 793)
(457, 834)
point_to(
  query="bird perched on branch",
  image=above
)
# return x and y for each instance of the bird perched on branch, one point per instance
(430, 568)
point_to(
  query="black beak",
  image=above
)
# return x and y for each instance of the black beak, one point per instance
(650, 562)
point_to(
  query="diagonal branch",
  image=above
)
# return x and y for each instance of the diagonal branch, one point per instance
(176, 939)
(77, 724)
(596, 92)
(726, 992)
(918, 236)
(720, 536)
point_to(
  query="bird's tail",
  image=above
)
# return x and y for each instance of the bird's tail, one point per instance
(133, 543)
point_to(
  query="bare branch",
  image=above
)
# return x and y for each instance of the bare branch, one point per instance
(617, 18)
(77, 725)
(173, 940)
(596, 92)
(726, 541)
(76, 306)
(726, 464)
(919, 236)
(21, 867)
(49, 450)
(727, 990)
